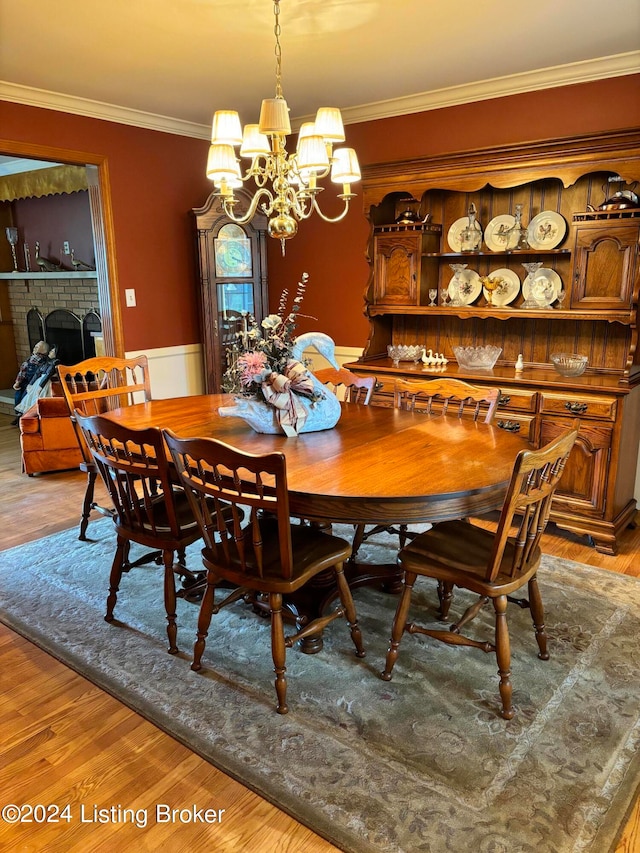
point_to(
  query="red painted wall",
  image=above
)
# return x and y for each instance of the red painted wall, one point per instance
(157, 178)
(51, 221)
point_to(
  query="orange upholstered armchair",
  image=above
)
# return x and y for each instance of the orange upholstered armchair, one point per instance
(47, 437)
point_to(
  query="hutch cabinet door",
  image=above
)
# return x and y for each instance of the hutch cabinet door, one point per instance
(397, 267)
(605, 264)
(233, 282)
(583, 487)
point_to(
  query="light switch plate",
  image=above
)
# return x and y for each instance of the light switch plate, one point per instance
(130, 297)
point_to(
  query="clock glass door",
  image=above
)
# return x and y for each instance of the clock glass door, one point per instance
(233, 283)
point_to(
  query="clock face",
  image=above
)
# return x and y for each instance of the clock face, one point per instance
(233, 252)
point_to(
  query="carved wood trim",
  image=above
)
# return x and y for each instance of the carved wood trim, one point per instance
(566, 159)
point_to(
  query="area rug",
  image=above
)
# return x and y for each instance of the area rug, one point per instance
(423, 763)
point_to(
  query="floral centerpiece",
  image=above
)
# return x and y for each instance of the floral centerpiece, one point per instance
(265, 366)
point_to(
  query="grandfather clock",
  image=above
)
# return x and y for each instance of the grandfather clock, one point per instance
(233, 280)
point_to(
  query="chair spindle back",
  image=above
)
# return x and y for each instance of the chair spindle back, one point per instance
(450, 397)
(535, 477)
(346, 385)
(101, 384)
(134, 467)
(215, 474)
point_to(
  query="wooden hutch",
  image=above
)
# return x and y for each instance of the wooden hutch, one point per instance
(597, 263)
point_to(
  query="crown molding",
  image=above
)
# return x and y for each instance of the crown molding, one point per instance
(99, 109)
(497, 87)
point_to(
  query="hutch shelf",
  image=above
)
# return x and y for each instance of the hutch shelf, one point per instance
(597, 265)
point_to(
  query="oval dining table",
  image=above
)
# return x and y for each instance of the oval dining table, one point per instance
(377, 465)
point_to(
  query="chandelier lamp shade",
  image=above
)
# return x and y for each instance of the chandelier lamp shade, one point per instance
(285, 186)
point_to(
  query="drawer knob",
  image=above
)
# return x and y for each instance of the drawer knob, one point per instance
(576, 408)
(503, 399)
(510, 426)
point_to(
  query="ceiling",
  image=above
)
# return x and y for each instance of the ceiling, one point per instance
(171, 63)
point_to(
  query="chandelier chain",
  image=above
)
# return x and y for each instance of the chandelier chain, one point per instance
(278, 50)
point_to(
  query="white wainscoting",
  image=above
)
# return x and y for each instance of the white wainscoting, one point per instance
(178, 372)
(174, 371)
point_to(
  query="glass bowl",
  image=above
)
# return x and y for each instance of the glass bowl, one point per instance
(404, 352)
(477, 358)
(569, 364)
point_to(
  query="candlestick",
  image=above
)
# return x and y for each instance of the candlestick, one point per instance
(12, 236)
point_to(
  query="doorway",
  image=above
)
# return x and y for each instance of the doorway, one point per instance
(101, 226)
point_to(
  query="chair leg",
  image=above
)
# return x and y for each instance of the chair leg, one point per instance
(346, 599)
(445, 597)
(87, 504)
(204, 620)
(503, 655)
(278, 650)
(122, 549)
(537, 614)
(170, 601)
(399, 624)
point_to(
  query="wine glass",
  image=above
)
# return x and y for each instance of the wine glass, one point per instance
(12, 237)
(561, 297)
(432, 296)
(490, 284)
(444, 295)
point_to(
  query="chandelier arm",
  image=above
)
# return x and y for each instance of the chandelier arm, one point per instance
(242, 220)
(340, 216)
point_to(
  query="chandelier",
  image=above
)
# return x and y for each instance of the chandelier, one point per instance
(286, 185)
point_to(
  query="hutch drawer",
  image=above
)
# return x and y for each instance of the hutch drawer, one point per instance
(583, 406)
(517, 400)
(522, 424)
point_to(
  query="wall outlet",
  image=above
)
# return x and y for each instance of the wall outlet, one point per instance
(130, 297)
(65, 248)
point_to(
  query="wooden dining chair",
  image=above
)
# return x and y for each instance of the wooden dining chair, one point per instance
(96, 386)
(150, 508)
(450, 397)
(492, 565)
(346, 385)
(442, 396)
(268, 554)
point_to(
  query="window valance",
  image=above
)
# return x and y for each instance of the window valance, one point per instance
(43, 182)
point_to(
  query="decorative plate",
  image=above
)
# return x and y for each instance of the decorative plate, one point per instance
(470, 287)
(506, 292)
(453, 234)
(545, 284)
(496, 236)
(546, 230)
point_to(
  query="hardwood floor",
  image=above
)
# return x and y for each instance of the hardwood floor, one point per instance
(66, 741)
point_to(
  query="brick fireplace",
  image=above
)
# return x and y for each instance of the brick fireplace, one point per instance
(78, 295)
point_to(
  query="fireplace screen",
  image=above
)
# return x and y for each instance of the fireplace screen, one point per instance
(72, 336)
